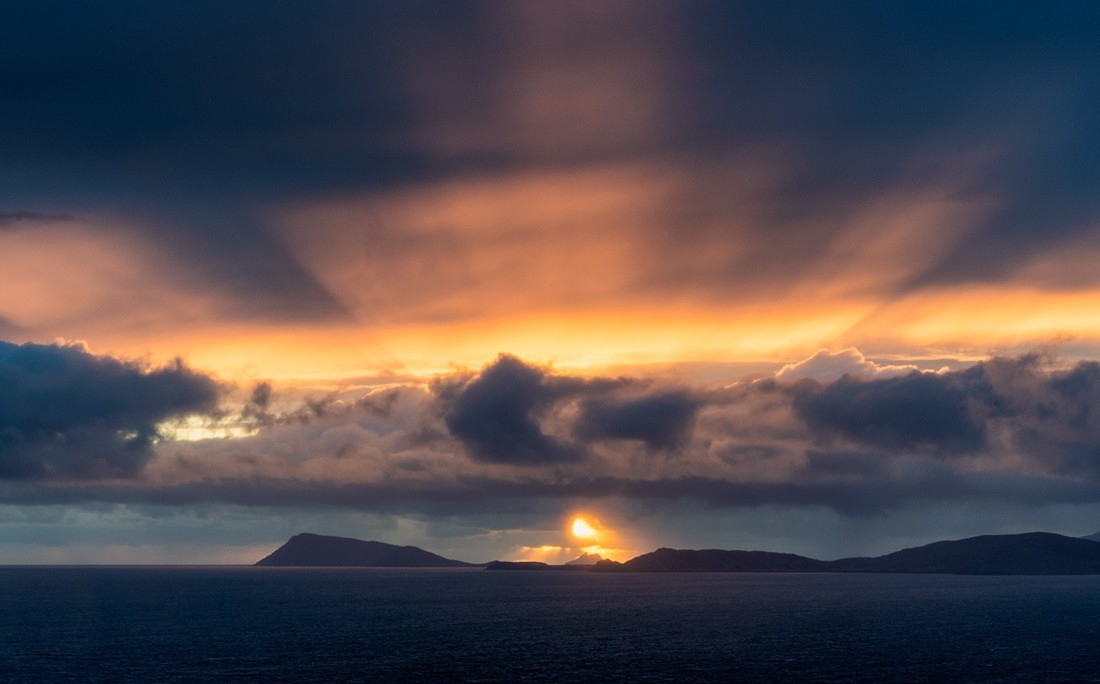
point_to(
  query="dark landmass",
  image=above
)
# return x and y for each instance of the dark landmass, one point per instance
(1033, 553)
(316, 550)
(535, 566)
(714, 560)
(518, 565)
(586, 559)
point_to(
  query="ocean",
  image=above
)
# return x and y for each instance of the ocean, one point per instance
(197, 624)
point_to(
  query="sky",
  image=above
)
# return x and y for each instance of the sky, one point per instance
(792, 276)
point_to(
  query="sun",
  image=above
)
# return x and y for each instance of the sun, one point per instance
(582, 530)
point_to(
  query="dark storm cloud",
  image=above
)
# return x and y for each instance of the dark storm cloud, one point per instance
(496, 414)
(662, 421)
(261, 395)
(1054, 417)
(855, 465)
(66, 413)
(863, 89)
(194, 119)
(499, 413)
(919, 410)
(201, 93)
(272, 93)
(1049, 417)
(256, 409)
(869, 97)
(189, 119)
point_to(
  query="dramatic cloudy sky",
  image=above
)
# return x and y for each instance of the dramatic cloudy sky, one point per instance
(798, 276)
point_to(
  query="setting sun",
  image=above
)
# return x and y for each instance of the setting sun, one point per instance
(582, 529)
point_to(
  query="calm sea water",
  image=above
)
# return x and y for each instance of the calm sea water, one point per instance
(293, 625)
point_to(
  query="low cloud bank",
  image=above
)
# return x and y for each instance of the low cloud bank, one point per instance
(1019, 431)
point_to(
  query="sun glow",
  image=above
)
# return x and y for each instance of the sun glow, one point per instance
(583, 530)
(580, 536)
(197, 428)
(547, 553)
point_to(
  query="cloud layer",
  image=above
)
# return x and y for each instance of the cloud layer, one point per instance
(68, 414)
(1016, 431)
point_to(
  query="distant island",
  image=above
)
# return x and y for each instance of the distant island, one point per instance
(586, 559)
(536, 566)
(1032, 553)
(318, 550)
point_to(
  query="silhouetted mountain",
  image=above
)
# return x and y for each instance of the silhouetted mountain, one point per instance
(713, 560)
(519, 565)
(320, 550)
(586, 559)
(1093, 537)
(1033, 553)
(534, 566)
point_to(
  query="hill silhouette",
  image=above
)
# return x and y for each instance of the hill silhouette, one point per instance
(1033, 553)
(586, 559)
(319, 550)
(713, 560)
(535, 566)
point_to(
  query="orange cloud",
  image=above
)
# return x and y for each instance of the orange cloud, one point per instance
(89, 274)
(984, 318)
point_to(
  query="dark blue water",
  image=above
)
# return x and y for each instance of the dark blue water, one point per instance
(273, 624)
